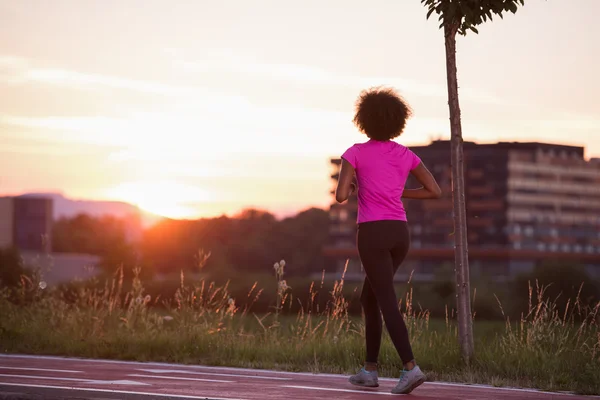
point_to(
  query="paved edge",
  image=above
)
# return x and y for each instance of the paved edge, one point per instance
(193, 366)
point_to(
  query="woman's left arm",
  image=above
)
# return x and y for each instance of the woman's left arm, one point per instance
(345, 186)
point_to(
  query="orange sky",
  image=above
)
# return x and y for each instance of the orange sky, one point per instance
(201, 108)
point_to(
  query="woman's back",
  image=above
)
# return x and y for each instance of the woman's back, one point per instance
(382, 168)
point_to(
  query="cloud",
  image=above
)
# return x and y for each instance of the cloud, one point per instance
(8, 61)
(36, 150)
(581, 123)
(84, 80)
(201, 126)
(18, 70)
(91, 130)
(18, 139)
(220, 61)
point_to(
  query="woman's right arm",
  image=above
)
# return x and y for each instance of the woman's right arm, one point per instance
(430, 188)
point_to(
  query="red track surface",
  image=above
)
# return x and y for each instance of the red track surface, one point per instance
(199, 382)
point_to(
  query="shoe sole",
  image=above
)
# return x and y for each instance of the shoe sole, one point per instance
(364, 384)
(412, 387)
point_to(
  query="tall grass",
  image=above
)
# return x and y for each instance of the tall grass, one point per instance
(547, 348)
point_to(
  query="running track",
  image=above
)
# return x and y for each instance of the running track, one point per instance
(36, 377)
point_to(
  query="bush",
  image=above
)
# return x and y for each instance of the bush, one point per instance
(562, 283)
(11, 267)
(444, 289)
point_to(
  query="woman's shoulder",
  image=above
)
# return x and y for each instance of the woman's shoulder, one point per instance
(361, 144)
(357, 146)
(400, 148)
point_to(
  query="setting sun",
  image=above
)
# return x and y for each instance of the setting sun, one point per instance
(166, 199)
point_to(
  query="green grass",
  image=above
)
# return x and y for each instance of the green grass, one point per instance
(201, 324)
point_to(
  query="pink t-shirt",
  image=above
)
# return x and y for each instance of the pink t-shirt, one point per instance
(381, 171)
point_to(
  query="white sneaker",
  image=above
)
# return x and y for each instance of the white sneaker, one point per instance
(409, 380)
(365, 378)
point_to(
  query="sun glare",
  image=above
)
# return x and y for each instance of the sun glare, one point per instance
(171, 200)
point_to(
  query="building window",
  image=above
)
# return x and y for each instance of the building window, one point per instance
(528, 231)
(491, 230)
(541, 246)
(578, 248)
(553, 247)
(589, 248)
(343, 215)
(566, 248)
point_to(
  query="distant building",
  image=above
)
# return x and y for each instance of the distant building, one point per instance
(26, 224)
(527, 203)
(6, 222)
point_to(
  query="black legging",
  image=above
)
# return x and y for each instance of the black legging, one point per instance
(382, 246)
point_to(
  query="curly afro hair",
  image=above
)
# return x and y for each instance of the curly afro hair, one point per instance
(381, 113)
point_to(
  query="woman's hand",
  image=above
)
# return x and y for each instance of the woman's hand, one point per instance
(430, 189)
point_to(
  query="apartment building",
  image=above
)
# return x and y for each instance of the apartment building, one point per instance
(26, 223)
(527, 203)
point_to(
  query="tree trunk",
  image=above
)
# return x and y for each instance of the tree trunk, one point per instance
(461, 251)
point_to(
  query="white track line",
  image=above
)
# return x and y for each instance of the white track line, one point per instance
(478, 386)
(339, 390)
(179, 378)
(159, 364)
(167, 371)
(50, 378)
(56, 378)
(41, 369)
(154, 394)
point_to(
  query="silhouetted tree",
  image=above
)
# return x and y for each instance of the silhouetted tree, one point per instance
(102, 236)
(461, 16)
(250, 242)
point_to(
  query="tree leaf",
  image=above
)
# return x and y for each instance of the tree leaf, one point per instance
(452, 10)
(431, 10)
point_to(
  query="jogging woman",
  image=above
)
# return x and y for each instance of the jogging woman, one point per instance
(381, 167)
